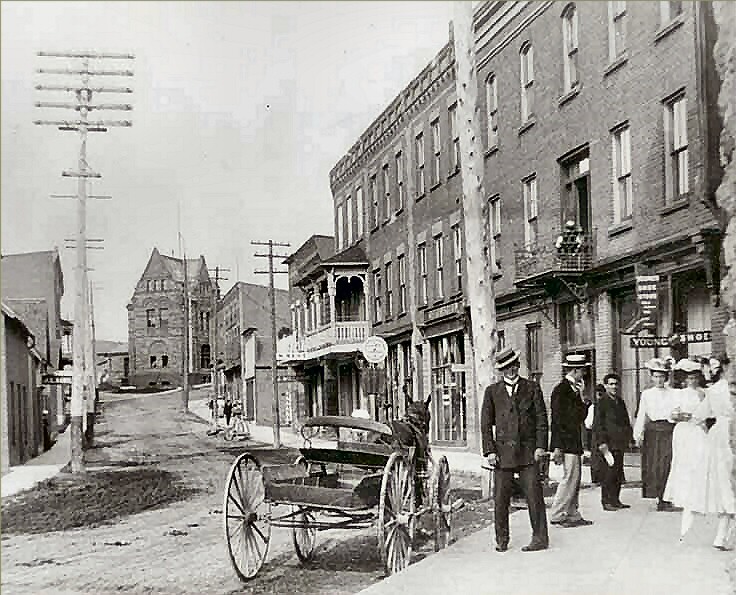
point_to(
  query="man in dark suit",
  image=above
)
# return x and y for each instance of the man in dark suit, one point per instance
(611, 434)
(515, 408)
(568, 414)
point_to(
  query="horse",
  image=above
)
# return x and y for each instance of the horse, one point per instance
(412, 430)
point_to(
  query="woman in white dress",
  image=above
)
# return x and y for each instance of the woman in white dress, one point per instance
(688, 446)
(718, 494)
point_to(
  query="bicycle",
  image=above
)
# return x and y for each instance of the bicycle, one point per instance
(239, 428)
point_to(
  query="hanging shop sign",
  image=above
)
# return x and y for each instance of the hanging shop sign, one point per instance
(646, 296)
(672, 340)
(375, 349)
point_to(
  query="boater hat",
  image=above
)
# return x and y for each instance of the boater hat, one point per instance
(656, 364)
(506, 357)
(688, 366)
(575, 360)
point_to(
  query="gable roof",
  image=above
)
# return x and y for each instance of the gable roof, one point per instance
(324, 246)
(350, 256)
(27, 275)
(196, 267)
(10, 313)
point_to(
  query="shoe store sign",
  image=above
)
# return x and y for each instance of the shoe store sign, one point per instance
(646, 296)
(672, 340)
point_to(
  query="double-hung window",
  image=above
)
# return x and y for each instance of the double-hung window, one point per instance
(457, 240)
(531, 211)
(439, 261)
(377, 289)
(422, 267)
(527, 82)
(359, 210)
(436, 150)
(338, 230)
(676, 170)
(419, 148)
(455, 138)
(386, 192)
(570, 47)
(494, 230)
(349, 218)
(622, 183)
(399, 181)
(402, 283)
(616, 30)
(374, 201)
(492, 111)
(389, 290)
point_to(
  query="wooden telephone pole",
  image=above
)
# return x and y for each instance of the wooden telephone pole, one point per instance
(480, 272)
(272, 295)
(213, 340)
(82, 389)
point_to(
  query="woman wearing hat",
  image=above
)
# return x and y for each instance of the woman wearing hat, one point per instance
(688, 446)
(653, 433)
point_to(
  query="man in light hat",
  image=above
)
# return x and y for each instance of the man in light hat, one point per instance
(569, 411)
(514, 407)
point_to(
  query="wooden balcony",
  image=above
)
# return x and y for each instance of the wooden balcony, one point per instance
(343, 337)
(554, 255)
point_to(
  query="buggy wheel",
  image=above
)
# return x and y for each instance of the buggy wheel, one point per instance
(440, 503)
(396, 514)
(246, 515)
(304, 535)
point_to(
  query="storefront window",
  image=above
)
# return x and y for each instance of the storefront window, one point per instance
(448, 389)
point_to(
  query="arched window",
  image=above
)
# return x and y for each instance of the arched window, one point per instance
(527, 81)
(570, 47)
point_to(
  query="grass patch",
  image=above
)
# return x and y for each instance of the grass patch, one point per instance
(99, 497)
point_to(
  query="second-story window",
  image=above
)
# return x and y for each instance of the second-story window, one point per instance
(349, 218)
(622, 188)
(151, 318)
(402, 283)
(676, 168)
(386, 192)
(374, 202)
(668, 11)
(616, 30)
(531, 211)
(455, 139)
(494, 230)
(570, 47)
(163, 319)
(492, 111)
(359, 206)
(439, 261)
(389, 290)
(527, 82)
(436, 151)
(457, 241)
(338, 229)
(399, 181)
(377, 289)
(422, 268)
(419, 149)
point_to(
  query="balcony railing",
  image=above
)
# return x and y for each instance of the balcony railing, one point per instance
(344, 336)
(569, 253)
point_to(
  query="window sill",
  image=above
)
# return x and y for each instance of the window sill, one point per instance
(491, 150)
(375, 229)
(681, 203)
(527, 125)
(401, 315)
(434, 186)
(616, 64)
(398, 212)
(620, 228)
(571, 94)
(673, 25)
(422, 307)
(438, 301)
(453, 172)
(420, 196)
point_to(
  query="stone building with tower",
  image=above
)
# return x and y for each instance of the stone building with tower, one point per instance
(156, 322)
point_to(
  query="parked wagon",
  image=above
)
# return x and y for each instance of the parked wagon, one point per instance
(351, 474)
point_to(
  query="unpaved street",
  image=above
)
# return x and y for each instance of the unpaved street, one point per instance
(179, 548)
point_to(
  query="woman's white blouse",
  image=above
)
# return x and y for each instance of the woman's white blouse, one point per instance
(656, 404)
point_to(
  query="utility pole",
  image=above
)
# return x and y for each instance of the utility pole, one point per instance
(213, 340)
(479, 272)
(186, 326)
(83, 92)
(272, 296)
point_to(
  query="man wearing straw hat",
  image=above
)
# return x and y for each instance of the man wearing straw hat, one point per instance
(569, 411)
(514, 407)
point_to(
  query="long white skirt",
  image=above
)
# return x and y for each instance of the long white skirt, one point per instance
(718, 494)
(686, 484)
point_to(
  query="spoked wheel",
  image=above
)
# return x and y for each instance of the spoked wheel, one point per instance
(304, 535)
(246, 517)
(440, 502)
(396, 518)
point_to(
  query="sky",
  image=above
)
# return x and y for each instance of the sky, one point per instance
(240, 110)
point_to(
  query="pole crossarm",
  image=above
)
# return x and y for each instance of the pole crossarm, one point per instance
(274, 255)
(95, 196)
(282, 244)
(269, 272)
(83, 88)
(126, 107)
(87, 54)
(86, 240)
(83, 124)
(80, 174)
(85, 72)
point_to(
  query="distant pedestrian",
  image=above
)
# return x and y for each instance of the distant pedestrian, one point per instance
(227, 410)
(611, 437)
(569, 411)
(653, 433)
(515, 408)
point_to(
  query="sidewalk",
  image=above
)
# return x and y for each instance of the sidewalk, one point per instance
(44, 466)
(628, 551)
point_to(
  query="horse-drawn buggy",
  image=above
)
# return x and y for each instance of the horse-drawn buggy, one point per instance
(352, 473)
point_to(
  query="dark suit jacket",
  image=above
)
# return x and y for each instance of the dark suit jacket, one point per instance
(568, 415)
(520, 422)
(611, 424)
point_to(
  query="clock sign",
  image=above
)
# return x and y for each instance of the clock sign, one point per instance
(375, 349)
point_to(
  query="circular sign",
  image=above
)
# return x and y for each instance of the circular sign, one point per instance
(375, 349)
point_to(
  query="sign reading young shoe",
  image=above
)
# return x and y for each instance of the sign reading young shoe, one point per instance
(375, 349)
(676, 339)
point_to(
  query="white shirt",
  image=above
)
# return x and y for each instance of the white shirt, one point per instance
(656, 404)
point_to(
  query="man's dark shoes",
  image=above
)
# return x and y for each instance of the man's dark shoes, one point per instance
(534, 546)
(622, 505)
(610, 507)
(577, 523)
(559, 522)
(665, 506)
(502, 547)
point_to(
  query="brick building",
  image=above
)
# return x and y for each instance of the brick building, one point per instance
(156, 319)
(601, 139)
(245, 348)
